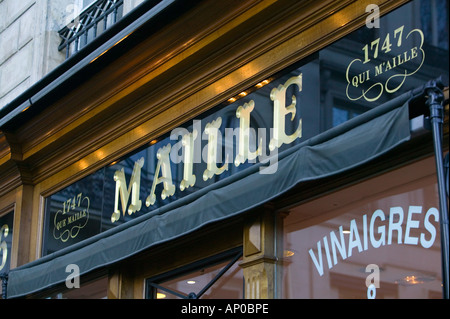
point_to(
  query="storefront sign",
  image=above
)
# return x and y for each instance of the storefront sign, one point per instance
(374, 231)
(345, 79)
(71, 218)
(385, 65)
(267, 119)
(163, 173)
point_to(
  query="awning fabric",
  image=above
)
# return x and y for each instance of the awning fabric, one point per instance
(337, 150)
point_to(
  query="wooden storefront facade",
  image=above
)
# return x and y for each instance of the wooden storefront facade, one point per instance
(192, 60)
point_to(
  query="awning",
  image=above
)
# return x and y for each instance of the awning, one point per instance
(337, 150)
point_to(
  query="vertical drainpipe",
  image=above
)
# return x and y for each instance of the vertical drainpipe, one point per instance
(434, 101)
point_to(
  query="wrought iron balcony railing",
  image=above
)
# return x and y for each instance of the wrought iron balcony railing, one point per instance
(91, 22)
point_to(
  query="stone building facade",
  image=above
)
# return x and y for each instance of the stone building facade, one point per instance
(29, 40)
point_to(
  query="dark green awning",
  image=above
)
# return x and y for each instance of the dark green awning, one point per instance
(340, 149)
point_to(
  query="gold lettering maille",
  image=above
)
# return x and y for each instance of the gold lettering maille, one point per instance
(243, 114)
(124, 192)
(278, 96)
(249, 148)
(188, 176)
(212, 130)
(163, 156)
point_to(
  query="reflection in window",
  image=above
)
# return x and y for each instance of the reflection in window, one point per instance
(434, 21)
(97, 289)
(390, 222)
(341, 115)
(344, 111)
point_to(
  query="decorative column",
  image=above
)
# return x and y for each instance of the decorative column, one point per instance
(259, 260)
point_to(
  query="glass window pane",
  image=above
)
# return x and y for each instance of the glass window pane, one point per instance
(383, 231)
(339, 116)
(228, 286)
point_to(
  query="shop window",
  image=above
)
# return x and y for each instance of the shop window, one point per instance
(342, 111)
(219, 277)
(377, 239)
(434, 22)
(340, 116)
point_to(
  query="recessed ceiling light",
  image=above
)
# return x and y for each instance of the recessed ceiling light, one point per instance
(411, 280)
